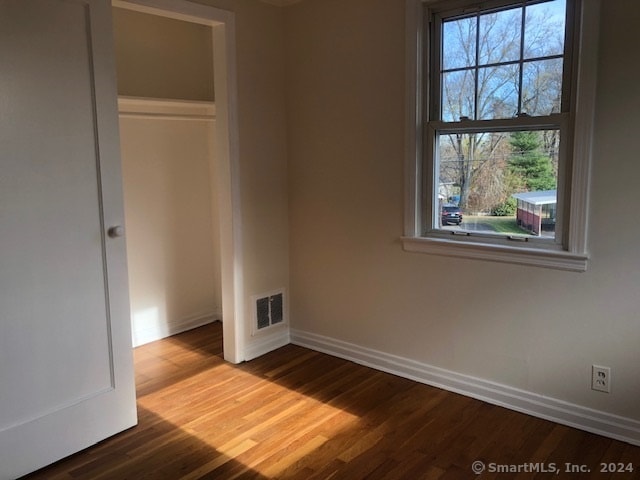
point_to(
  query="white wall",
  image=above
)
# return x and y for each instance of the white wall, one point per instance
(172, 225)
(527, 328)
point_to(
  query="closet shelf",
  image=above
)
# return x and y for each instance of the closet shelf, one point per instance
(161, 108)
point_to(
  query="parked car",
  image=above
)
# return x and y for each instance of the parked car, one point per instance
(451, 214)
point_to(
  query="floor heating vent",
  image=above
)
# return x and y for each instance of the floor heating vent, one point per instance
(269, 310)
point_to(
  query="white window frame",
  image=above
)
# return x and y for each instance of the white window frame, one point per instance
(571, 254)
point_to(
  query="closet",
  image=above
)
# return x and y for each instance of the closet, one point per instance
(167, 119)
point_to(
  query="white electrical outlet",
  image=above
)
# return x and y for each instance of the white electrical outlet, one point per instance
(601, 378)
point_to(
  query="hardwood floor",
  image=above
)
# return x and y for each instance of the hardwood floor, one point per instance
(300, 414)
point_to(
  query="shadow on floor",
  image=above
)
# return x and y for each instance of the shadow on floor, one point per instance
(154, 449)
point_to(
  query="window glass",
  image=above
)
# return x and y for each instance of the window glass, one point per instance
(544, 29)
(458, 95)
(500, 36)
(498, 92)
(491, 69)
(458, 50)
(498, 181)
(542, 87)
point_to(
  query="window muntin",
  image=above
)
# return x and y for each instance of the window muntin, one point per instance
(497, 74)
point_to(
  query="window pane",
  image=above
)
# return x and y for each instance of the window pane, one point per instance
(499, 39)
(544, 29)
(498, 182)
(542, 87)
(498, 92)
(458, 96)
(459, 43)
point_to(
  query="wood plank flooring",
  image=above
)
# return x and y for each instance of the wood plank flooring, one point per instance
(300, 414)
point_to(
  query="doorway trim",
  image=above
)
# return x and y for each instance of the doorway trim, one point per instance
(222, 23)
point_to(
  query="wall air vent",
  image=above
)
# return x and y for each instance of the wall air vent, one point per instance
(269, 310)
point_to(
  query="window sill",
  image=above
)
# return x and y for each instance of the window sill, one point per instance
(556, 259)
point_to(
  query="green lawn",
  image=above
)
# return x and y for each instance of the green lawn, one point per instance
(506, 225)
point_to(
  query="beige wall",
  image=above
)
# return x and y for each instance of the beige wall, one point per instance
(264, 220)
(172, 225)
(162, 58)
(529, 328)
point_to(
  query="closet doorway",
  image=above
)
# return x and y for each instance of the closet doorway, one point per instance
(175, 88)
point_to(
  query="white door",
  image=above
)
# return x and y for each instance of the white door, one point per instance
(66, 374)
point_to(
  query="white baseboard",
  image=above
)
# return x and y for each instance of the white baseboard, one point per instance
(159, 330)
(261, 345)
(559, 411)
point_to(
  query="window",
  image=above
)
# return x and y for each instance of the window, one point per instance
(493, 129)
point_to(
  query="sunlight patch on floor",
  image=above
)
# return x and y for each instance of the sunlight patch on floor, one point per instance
(242, 427)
